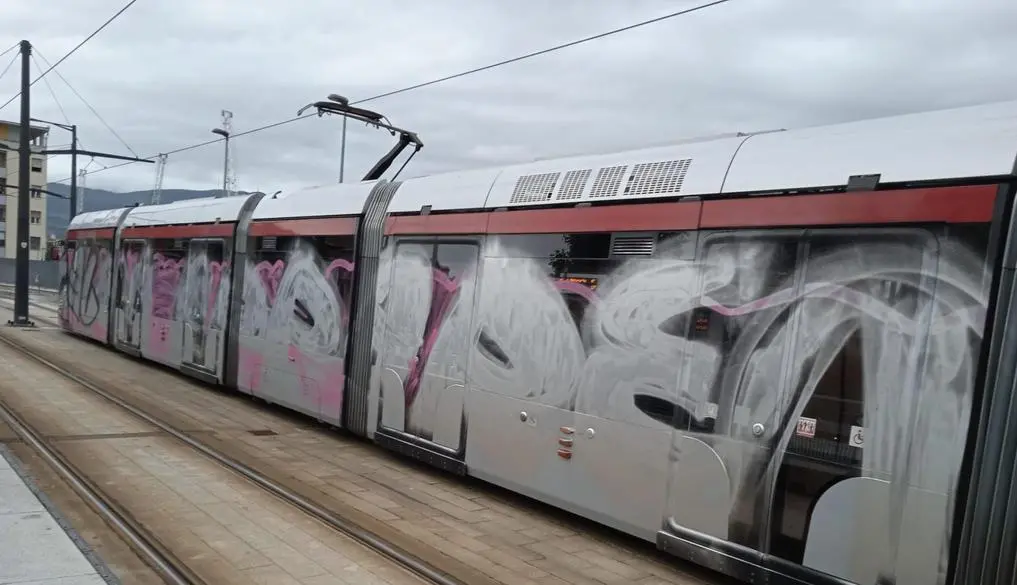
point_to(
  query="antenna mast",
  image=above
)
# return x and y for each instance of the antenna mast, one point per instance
(81, 189)
(160, 171)
(230, 179)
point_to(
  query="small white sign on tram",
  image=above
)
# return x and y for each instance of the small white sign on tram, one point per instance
(857, 437)
(806, 427)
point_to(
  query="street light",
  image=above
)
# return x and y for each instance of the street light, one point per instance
(226, 158)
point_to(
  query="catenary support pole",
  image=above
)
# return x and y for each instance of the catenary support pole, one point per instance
(74, 170)
(24, 199)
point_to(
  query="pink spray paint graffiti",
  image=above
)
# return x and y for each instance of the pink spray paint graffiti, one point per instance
(294, 323)
(166, 275)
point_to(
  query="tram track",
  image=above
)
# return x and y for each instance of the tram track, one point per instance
(147, 544)
(171, 569)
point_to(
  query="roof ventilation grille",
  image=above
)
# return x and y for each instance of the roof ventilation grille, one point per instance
(573, 184)
(607, 182)
(658, 177)
(534, 188)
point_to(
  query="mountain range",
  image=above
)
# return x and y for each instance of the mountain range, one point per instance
(58, 210)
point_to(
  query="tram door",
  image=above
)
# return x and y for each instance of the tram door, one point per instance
(202, 313)
(130, 280)
(429, 310)
(869, 305)
(742, 334)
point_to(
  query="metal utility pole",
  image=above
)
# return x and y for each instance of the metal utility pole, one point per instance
(160, 172)
(74, 171)
(76, 197)
(24, 201)
(342, 153)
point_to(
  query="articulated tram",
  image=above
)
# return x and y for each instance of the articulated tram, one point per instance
(759, 351)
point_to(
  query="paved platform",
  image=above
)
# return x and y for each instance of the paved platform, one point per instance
(465, 526)
(34, 548)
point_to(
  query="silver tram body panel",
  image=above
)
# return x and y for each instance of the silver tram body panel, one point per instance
(781, 403)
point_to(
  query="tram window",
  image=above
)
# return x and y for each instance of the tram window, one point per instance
(456, 260)
(555, 245)
(168, 265)
(324, 252)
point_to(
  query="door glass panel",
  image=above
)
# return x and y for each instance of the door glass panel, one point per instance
(130, 280)
(202, 299)
(435, 384)
(861, 307)
(748, 285)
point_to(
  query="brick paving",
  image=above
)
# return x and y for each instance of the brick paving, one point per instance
(223, 527)
(506, 538)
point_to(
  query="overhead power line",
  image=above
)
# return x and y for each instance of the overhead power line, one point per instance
(88, 105)
(52, 93)
(12, 47)
(443, 79)
(72, 51)
(4, 72)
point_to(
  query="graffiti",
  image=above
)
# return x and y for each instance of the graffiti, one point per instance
(423, 315)
(296, 311)
(130, 283)
(85, 286)
(730, 348)
(205, 297)
(167, 270)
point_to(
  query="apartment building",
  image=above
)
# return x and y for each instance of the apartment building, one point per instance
(10, 134)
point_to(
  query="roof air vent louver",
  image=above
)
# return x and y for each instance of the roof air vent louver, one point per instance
(623, 245)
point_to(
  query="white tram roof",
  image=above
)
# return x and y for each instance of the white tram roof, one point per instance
(969, 142)
(188, 211)
(321, 201)
(91, 220)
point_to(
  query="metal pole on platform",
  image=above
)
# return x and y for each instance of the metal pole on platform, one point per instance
(74, 170)
(342, 153)
(24, 199)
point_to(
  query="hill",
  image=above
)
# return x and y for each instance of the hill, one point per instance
(58, 212)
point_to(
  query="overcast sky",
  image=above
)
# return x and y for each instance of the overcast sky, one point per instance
(161, 73)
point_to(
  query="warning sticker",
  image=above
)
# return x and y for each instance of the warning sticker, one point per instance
(806, 427)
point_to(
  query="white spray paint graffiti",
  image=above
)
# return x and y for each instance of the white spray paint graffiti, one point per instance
(920, 323)
(293, 312)
(206, 298)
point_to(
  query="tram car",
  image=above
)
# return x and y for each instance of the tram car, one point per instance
(758, 351)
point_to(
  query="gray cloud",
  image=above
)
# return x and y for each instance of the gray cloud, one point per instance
(161, 73)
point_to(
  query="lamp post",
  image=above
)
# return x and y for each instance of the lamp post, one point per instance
(226, 158)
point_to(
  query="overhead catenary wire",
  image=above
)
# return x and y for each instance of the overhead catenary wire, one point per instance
(88, 105)
(438, 80)
(4, 72)
(11, 48)
(72, 51)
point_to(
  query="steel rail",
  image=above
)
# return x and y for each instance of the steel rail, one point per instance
(393, 552)
(171, 570)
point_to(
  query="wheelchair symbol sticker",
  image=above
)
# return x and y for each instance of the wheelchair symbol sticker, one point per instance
(857, 437)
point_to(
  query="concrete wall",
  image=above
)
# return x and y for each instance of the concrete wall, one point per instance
(41, 273)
